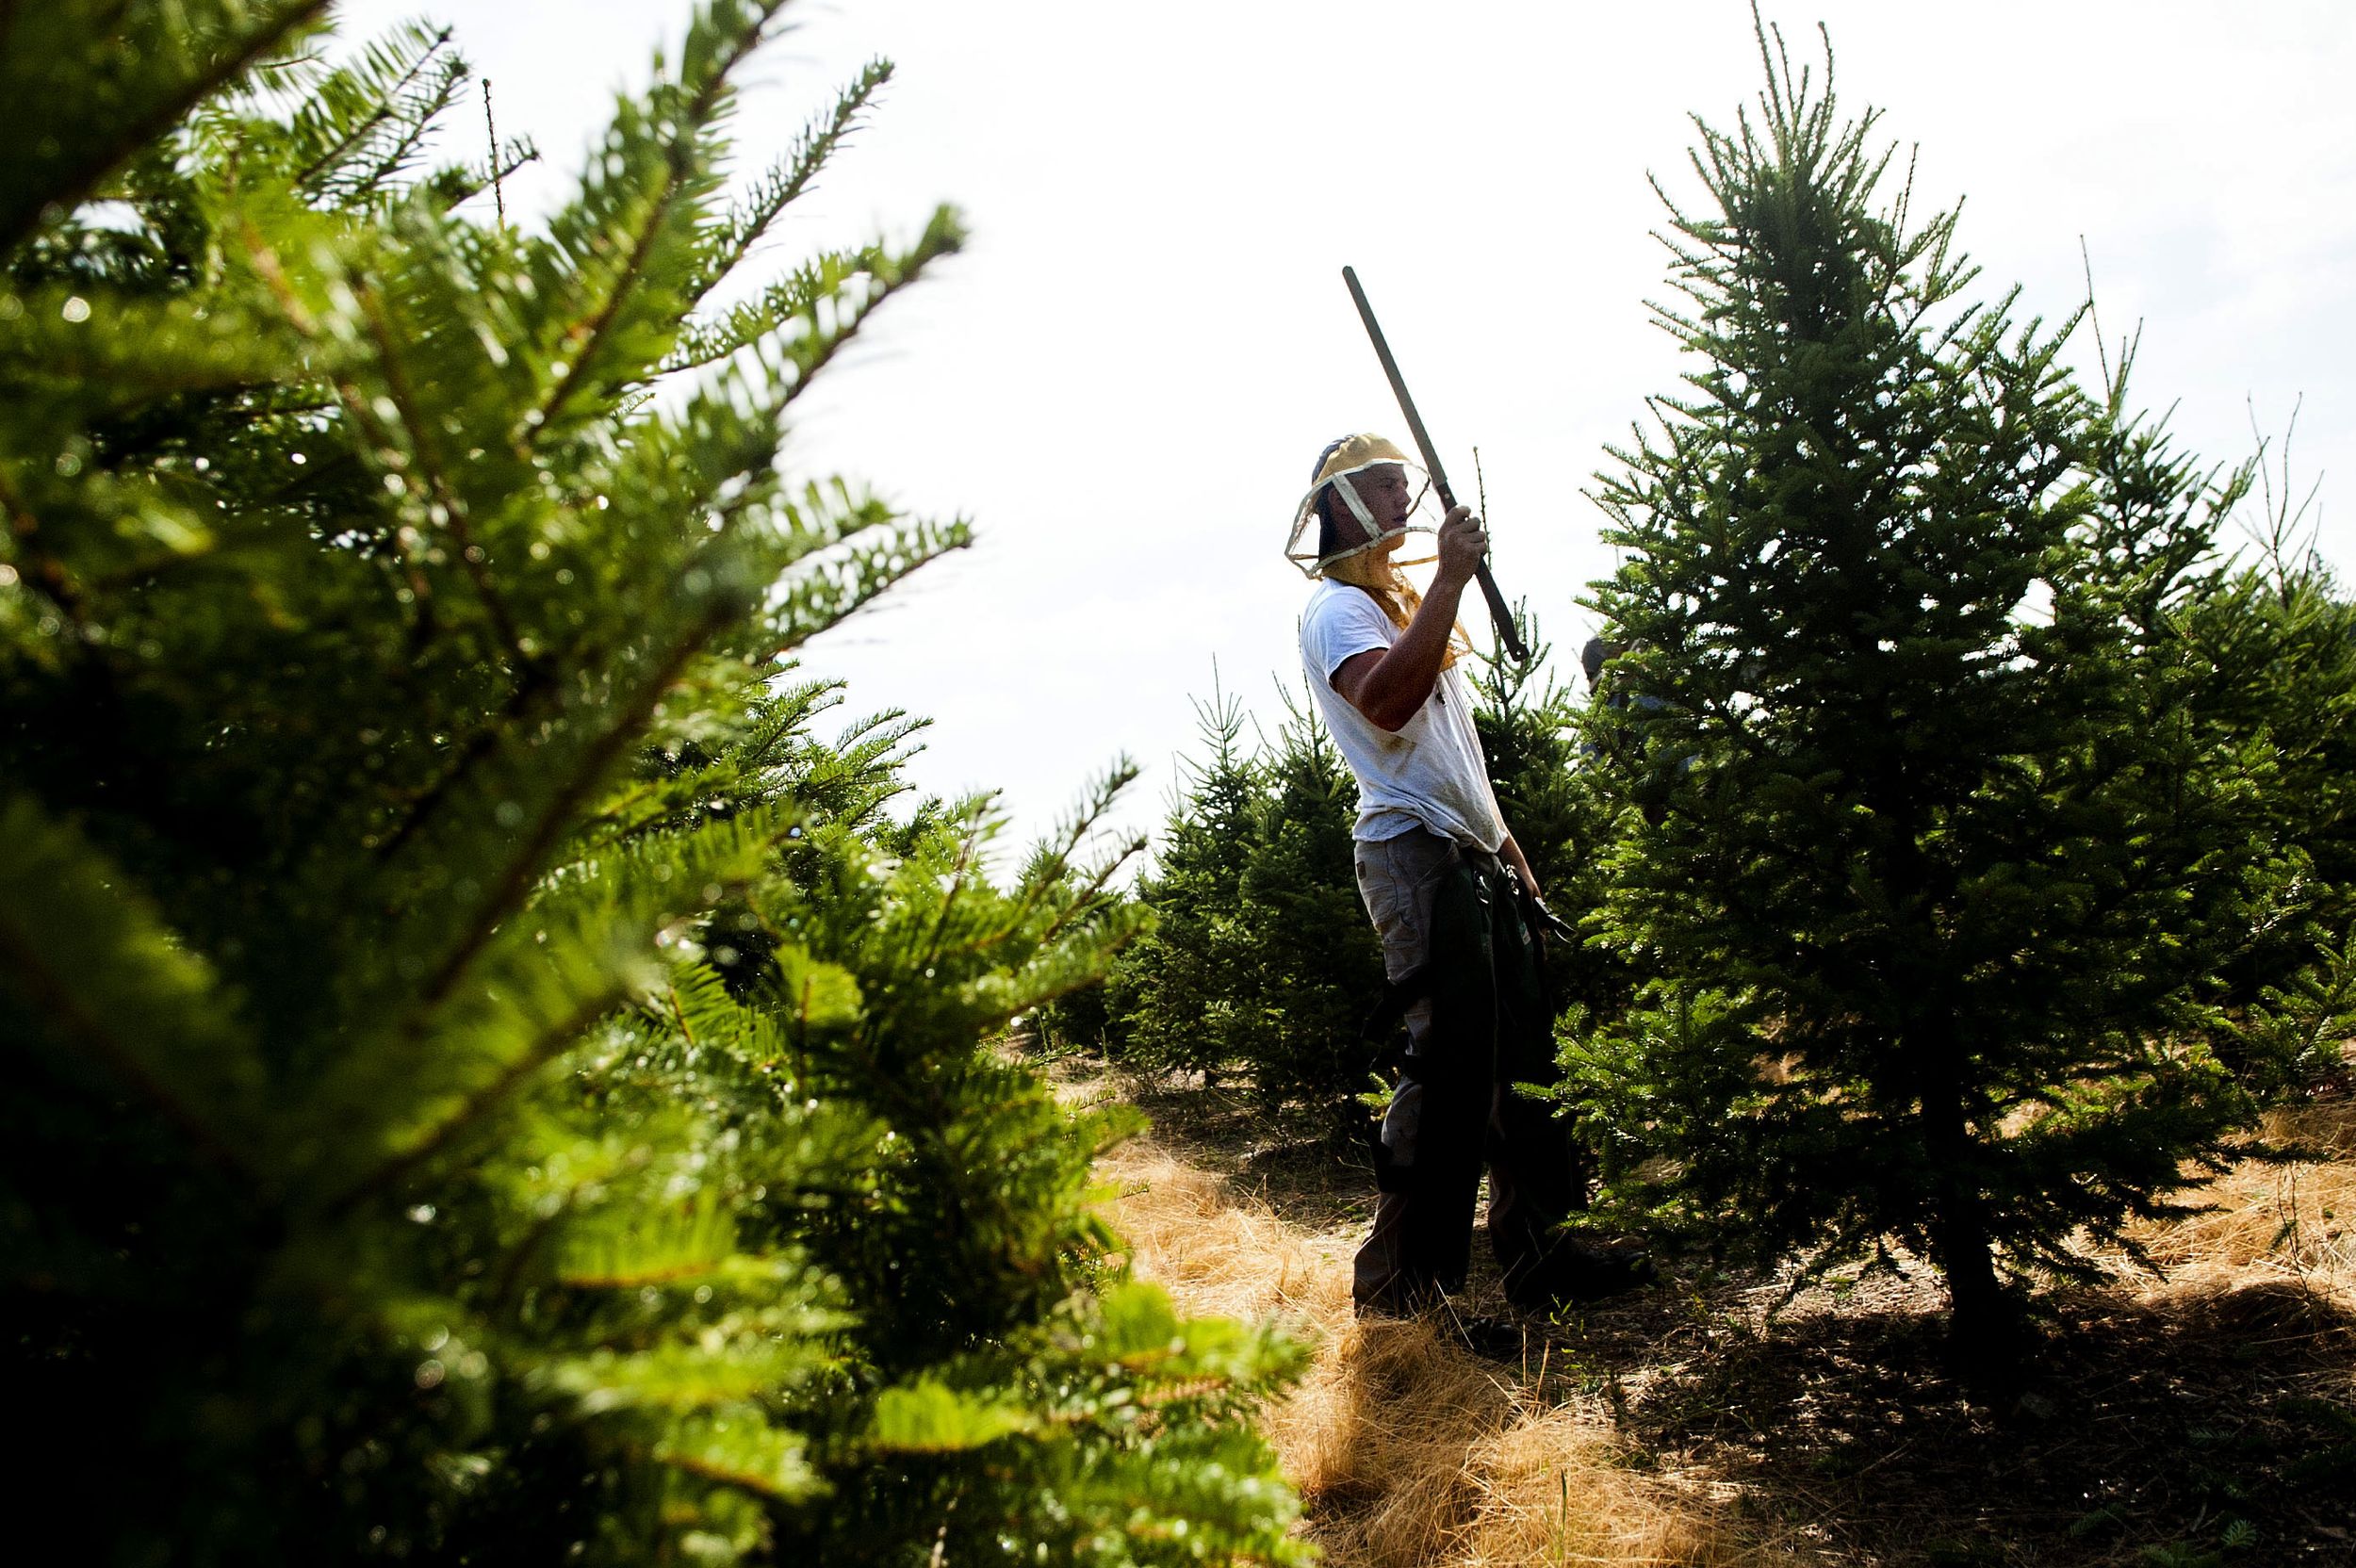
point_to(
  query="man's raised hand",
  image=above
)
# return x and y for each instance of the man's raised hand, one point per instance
(1462, 543)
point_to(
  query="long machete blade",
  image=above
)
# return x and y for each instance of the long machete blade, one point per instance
(1499, 616)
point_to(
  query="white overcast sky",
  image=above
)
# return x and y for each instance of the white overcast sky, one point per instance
(1126, 378)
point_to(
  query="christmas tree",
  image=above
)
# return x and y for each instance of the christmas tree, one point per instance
(489, 1080)
(1319, 966)
(1527, 724)
(1172, 998)
(1937, 862)
(2276, 645)
(1260, 965)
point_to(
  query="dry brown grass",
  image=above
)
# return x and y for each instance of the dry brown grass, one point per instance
(2271, 1226)
(1407, 1449)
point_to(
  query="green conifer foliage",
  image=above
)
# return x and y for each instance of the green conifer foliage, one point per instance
(488, 1080)
(1940, 861)
(1528, 725)
(2276, 642)
(1260, 963)
(1319, 968)
(1174, 995)
(1553, 781)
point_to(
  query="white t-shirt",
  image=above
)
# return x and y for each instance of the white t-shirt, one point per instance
(1429, 775)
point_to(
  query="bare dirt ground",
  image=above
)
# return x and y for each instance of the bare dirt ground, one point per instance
(2208, 1418)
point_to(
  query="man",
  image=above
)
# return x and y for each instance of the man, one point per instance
(1446, 888)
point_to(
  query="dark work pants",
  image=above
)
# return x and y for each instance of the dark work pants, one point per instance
(1479, 1024)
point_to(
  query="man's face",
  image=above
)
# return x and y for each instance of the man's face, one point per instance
(1383, 489)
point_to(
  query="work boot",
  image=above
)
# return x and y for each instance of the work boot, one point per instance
(1490, 1338)
(1577, 1270)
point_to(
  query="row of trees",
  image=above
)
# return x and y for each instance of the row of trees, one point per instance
(488, 1081)
(1961, 842)
(1255, 968)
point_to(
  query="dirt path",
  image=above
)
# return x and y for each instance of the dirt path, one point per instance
(2208, 1420)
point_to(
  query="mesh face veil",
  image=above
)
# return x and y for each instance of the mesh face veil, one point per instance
(1364, 497)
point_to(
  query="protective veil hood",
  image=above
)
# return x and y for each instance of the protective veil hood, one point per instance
(1313, 545)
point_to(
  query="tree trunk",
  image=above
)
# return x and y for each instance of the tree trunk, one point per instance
(1977, 1305)
(1983, 1318)
(1982, 1314)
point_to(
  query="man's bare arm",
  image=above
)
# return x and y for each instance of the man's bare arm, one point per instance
(1388, 685)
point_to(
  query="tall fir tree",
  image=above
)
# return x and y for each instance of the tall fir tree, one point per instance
(488, 1080)
(1938, 862)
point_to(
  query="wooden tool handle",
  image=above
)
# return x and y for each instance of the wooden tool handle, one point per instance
(1501, 618)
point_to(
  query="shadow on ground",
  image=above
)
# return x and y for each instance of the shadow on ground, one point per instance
(2168, 1427)
(1308, 1169)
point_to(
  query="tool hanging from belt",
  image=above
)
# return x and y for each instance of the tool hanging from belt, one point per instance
(1381, 1025)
